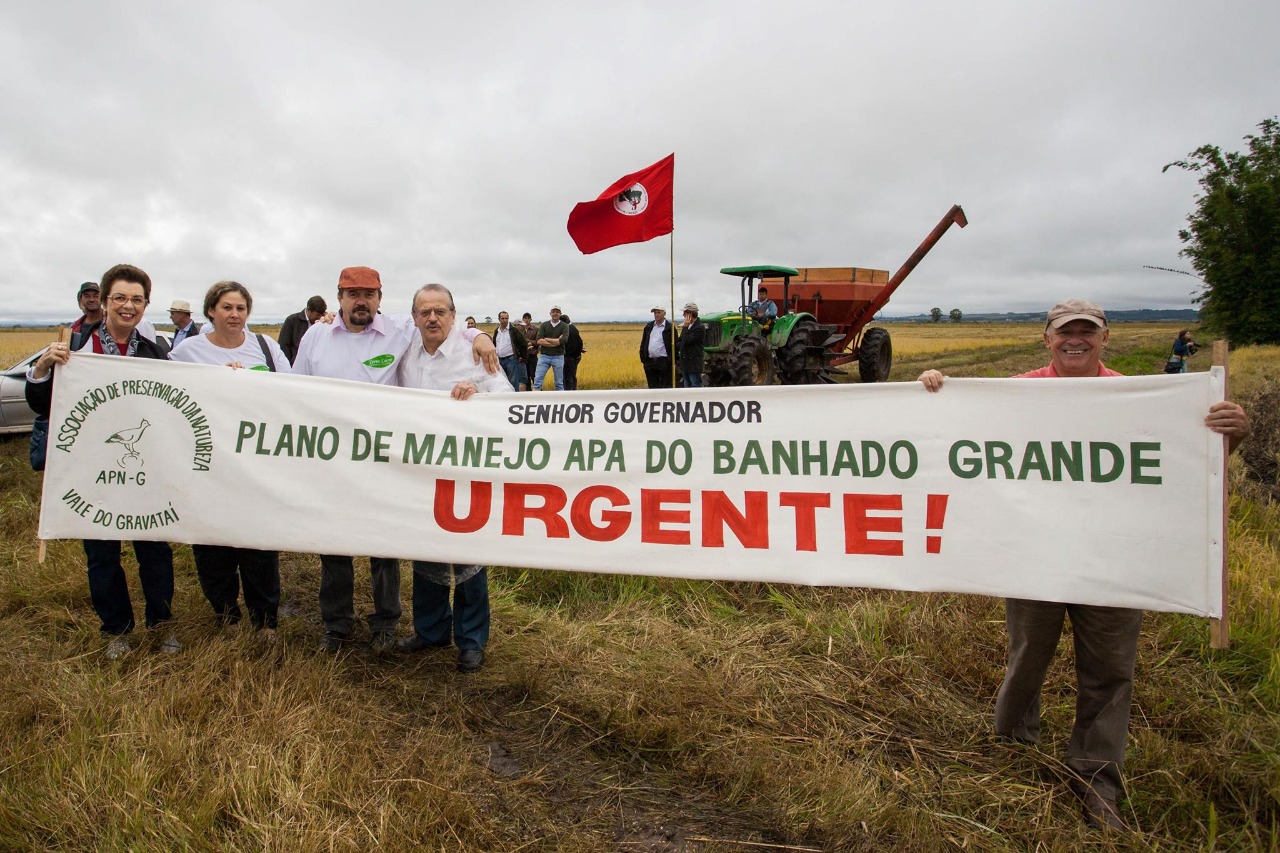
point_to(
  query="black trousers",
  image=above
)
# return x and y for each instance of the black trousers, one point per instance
(657, 372)
(222, 570)
(571, 372)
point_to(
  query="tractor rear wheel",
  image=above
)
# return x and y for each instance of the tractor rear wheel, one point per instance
(802, 360)
(751, 362)
(875, 355)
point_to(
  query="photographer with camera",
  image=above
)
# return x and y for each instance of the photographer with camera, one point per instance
(1183, 348)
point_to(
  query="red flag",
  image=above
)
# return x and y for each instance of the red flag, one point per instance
(635, 208)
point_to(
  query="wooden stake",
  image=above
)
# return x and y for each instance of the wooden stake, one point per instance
(1220, 629)
(64, 335)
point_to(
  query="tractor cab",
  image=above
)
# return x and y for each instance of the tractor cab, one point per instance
(749, 277)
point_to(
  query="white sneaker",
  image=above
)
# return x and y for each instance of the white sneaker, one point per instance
(118, 647)
(170, 645)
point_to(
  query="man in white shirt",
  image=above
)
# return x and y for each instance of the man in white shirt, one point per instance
(512, 347)
(441, 361)
(657, 350)
(364, 346)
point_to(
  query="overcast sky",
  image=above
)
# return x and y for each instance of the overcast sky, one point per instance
(275, 143)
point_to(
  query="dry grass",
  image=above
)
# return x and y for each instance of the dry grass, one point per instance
(622, 713)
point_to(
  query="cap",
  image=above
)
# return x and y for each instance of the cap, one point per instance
(1075, 309)
(657, 308)
(690, 306)
(361, 277)
(180, 305)
(556, 308)
(88, 285)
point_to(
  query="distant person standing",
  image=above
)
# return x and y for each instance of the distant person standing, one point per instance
(296, 325)
(529, 329)
(89, 298)
(512, 348)
(183, 326)
(573, 350)
(551, 339)
(1183, 349)
(658, 350)
(689, 353)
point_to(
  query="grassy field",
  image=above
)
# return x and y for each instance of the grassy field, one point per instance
(633, 714)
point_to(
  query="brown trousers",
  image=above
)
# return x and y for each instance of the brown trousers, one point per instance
(1106, 647)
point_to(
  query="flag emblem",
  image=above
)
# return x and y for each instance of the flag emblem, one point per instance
(632, 201)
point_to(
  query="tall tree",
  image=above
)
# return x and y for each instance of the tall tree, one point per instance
(956, 315)
(1233, 238)
(936, 314)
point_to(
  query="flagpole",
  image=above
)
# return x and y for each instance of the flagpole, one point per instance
(672, 244)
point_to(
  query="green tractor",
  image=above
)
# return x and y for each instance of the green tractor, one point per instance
(741, 351)
(823, 321)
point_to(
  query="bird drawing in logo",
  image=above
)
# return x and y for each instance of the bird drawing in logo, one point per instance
(130, 437)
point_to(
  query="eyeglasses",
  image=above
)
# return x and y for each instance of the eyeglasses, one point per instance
(121, 299)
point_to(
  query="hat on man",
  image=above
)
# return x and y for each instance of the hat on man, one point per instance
(657, 308)
(181, 305)
(1075, 309)
(689, 307)
(556, 308)
(361, 278)
(87, 286)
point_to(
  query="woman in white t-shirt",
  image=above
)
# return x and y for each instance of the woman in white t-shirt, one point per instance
(223, 569)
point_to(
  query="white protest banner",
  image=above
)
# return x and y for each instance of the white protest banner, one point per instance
(1087, 490)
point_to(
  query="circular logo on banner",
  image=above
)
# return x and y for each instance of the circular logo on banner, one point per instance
(632, 201)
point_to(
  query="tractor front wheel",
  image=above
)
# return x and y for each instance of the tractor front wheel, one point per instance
(875, 355)
(802, 359)
(751, 362)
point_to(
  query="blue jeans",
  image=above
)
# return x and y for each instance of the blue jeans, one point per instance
(435, 621)
(554, 362)
(510, 365)
(690, 379)
(110, 591)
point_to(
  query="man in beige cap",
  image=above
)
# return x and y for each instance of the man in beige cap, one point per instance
(1105, 638)
(183, 327)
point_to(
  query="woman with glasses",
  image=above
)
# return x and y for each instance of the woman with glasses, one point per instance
(223, 569)
(125, 293)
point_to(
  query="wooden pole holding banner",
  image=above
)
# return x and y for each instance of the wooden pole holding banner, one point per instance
(64, 335)
(1220, 629)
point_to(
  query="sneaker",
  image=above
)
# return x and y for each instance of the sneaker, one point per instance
(331, 642)
(118, 647)
(170, 644)
(383, 641)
